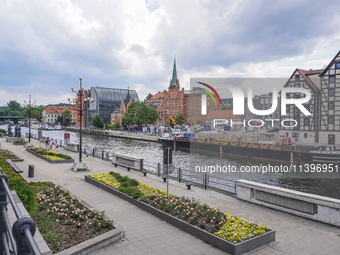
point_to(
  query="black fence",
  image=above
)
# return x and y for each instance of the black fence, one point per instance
(200, 179)
(17, 239)
(180, 174)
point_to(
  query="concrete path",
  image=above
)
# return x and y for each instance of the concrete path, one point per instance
(146, 234)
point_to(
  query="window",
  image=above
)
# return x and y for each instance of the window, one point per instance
(305, 135)
(332, 78)
(337, 65)
(330, 119)
(297, 85)
(330, 105)
(306, 121)
(331, 92)
(297, 77)
(179, 102)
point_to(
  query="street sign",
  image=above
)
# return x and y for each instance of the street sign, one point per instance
(171, 169)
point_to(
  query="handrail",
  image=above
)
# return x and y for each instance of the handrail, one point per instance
(23, 229)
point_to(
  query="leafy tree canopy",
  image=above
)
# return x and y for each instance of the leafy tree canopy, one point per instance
(14, 106)
(138, 113)
(179, 119)
(97, 121)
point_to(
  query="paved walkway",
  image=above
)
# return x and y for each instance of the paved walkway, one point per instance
(146, 234)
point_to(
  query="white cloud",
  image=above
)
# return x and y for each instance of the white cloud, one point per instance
(47, 45)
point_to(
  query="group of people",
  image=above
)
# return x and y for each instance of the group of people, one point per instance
(50, 143)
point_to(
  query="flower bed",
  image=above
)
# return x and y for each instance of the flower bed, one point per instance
(229, 233)
(49, 155)
(63, 220)
(9, 155)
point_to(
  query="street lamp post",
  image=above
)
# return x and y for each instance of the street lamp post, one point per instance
(82, 100)
(29, 105)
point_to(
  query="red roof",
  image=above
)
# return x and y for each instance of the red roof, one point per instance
(53, 109)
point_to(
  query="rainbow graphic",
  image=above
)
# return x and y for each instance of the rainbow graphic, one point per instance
(208, 92)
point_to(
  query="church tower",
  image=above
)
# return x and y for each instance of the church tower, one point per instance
(174, 82)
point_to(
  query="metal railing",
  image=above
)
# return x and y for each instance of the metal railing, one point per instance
(17, 239)
(204, 179)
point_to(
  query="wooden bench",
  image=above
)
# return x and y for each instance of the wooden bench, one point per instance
(14, 166)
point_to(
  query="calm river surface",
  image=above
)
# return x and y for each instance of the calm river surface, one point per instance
(152, 153)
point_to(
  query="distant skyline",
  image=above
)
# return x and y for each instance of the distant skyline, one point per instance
(47, 45)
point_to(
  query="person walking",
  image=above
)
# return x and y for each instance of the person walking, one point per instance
(87, 151)
(107, 154)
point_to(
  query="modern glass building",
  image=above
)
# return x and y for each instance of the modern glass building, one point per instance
(106, 100)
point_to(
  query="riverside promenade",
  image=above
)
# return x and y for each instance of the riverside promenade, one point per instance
(147, 234)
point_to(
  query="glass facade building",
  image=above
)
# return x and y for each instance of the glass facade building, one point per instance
(106, 100)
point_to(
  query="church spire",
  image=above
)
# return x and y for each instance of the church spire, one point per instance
(174, 80)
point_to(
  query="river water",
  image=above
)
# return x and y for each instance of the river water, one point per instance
(152, 153)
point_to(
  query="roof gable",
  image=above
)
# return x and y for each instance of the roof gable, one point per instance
(330, 64)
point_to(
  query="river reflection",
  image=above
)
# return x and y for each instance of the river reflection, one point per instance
(152, 153)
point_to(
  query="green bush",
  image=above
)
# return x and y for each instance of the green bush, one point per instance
(113, 127)
(3, 131)
(133, 182)
(19, 184)
(127, 185)
(19, 142)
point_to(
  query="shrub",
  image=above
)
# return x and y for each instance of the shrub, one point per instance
(19, 142)
(17, 183)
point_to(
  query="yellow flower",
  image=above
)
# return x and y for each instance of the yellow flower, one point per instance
(107, 179)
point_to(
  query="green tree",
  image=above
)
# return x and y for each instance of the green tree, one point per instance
(113, 127)
(67, 112)
(145, 115)
(139, 113)
(4, 112)
(36, 112)
(97, 121)
(148, 97)
(129, 115)
(179, 119)
(14, 106)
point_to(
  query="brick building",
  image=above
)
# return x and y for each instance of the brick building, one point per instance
(171, 102)
(176, 100)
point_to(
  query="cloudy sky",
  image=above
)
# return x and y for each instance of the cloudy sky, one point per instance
(46, 46)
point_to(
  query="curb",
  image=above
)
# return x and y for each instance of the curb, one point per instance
(95, 243)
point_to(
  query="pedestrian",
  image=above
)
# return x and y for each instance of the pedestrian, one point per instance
(107, 154)
(87, 151)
